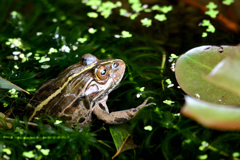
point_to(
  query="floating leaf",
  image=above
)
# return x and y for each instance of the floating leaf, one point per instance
(45, 152)
(212, 13)
(211, 115)
(82, 40)
(168, 102)
(148, 128)
(204, 34)
(38, 146)
(166, 9)
(7, 151)
(137, 7)
(210, 28)
(156, 7)
(206, 22)
(126, 34)
(160, 17)
(227, 2)
(226, 73)
(204, 156)
(92, 14)
(146, 22)
(13, 92)
(122, 11)
(236, 154)
(133, 16)
(28, 154)
(211, 5)
(194, 65)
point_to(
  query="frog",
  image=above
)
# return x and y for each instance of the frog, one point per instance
(82, 90)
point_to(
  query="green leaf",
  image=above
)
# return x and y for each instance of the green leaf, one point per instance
(227, 2)
(236, 154)
(28, 154)
(166, 9)
(226, 73)
(82, 40)
(211, 5)
(93, 3)
(168, 81)
(212, 13)
(92, 14)
(4, 84)
(210, 28)
(121, 138)
(173, 56)
(7, 151)
(146, 22)
(206, 23)
(137, 7)
(45, 152)
(156, 7)
(122, 11)
(133, 1)
(160, 17)
(148, 128)
(126, 34)
(194, 65)
(168, 102)
(211, 115)
(38, 146)
(204, 34)
(133, 16)
(204, 156)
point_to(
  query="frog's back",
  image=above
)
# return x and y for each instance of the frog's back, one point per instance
(56, 96)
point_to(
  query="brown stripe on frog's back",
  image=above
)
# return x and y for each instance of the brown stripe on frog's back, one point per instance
(43, 92)
(50, 87)
(64, 98)
(69, 72)
(55, 105)
(78, 84)
(52, 107)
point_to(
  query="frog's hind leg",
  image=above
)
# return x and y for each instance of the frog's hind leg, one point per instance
(118, 116)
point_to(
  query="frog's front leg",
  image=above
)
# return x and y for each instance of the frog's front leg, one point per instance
(119, 116)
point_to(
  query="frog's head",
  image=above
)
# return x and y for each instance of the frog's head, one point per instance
(106, 76)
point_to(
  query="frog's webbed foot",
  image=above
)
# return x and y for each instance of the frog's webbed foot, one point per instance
(119, 116)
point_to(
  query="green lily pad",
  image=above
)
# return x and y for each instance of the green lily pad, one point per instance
(211, 115)
(194, 65)
(227, 73)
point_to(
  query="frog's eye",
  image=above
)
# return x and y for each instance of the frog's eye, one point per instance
(115, 65)
(101, 73)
